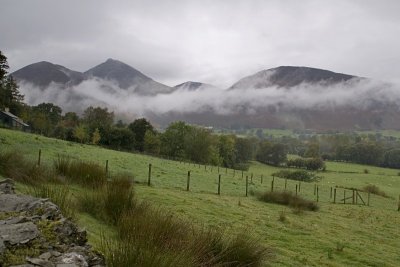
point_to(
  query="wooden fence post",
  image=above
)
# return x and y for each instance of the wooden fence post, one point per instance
(205, 167)
(107, 168)
(296, 189)
(353, 197)
(247, 184)
(315, 189)
(285, 183)
(330, 196)
(299, 186)
(39, 157)
(261, 178)
(317, 194)
(251, 179)
(272, 184)
(242, 174)
(188, 181)
(219, 184)
(344, 196)
(149, 178)
(398, 204)
(368, 198)
(234, 172)
(334, 195)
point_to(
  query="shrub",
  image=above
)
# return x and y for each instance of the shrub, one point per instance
(119, 197)
(111, 201)
(299, 175)
(373, 189)
(307, 163)
(15, 166)
(154, 237)
(87, 174)
(288, 199)
(58, 194)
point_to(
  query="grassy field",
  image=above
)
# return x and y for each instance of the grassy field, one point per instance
(337, 235)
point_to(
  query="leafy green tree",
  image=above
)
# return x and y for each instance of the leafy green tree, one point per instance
(227, 150)
(121, 138)
(96, 137)
(152, 143)
(272, 153)
(392, 158)
(100, 118)
(244, 152)
(312, 150)
(200, 146)
(80, 133)
(173, 140)
(139, 128)
(10, 97)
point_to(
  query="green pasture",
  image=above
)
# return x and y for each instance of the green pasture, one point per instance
(336, 235)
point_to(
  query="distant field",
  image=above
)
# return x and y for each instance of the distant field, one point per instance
(393, 133)
(337, 235)
(253, 132)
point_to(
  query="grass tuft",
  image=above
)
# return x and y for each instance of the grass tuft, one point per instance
(288, 199)
(58, 194)
(87, 174)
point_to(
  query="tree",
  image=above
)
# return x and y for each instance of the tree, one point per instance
(152, 142)
(200, 146)
(312, 151)
(392, 158)
(100, 118)
(121, 138)
(80, 133)
(139, 128)
(10, 97)
(96, 137)
(173, 140)
(244, 152)
(227, 151)
(272, 153)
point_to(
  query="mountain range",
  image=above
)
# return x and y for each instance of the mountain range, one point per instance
(282, 97)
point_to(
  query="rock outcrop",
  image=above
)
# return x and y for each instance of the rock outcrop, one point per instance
(33, 232)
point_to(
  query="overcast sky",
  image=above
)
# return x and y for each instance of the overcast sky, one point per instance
(217, 42)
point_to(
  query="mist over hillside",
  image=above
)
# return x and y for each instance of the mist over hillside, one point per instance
(283, 97)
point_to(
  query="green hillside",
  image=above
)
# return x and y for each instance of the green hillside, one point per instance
(336, 235)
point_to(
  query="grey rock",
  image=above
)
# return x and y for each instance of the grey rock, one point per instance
(40, 262)
(18, 233)
(7, 186)
(66, 265)
(46, 256)
(14, 220)
(73, 258)
(12, 202)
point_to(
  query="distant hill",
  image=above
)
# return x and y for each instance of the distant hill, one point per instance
(290, 76)
(194, 86)
(43, 73)
(127, 78)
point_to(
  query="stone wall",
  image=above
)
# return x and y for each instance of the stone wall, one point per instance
(33, 232)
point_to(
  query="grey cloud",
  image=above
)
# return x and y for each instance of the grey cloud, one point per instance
(209, 41)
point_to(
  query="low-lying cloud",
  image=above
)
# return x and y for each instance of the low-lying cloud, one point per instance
(360, 93)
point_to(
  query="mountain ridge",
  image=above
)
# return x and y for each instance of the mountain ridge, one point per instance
(290, 76)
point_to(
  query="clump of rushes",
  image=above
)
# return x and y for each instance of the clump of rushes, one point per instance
(87, 174)
(288, 199)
